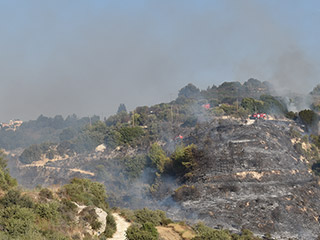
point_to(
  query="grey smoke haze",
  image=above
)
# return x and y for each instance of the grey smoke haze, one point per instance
(87, 57)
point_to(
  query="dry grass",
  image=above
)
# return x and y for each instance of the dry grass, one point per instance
(184, 231)
(167, 233)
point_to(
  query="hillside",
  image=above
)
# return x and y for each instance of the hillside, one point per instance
(198, 158)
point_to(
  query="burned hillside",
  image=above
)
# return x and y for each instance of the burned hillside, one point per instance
(251, 176)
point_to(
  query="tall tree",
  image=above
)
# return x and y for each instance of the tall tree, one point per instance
(122, 108)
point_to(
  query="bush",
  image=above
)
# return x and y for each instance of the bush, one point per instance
(67, 210)
(252, 105)
(308, 117)
(134, 166)
(46, 193)
(158, 157)
(183, 161)
(6, 181)
(146, 232)
(31, 154)
(129, 135)
(16, 221)
(145, 215)
(84, 191)
(90, 216)
(273, 105)
(186, 193)
(48, 211)
(207, 233)
(111, 226)
(14, 198)
(291, 115)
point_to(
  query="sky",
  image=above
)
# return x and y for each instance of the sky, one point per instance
(87, 57)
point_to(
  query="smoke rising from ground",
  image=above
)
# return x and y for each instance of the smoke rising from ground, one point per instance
(87, 57)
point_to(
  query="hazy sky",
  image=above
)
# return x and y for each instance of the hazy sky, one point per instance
(87, 57)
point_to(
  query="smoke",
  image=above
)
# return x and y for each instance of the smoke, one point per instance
(87, 57)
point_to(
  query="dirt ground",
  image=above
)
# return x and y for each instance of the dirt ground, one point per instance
(122, 226)
(167, 233)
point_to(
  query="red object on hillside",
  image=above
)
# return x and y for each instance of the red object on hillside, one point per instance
(206, 106)
(259, 116)
(179, 137)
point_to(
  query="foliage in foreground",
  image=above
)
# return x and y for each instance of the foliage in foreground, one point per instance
(86, 192)
(206, 233)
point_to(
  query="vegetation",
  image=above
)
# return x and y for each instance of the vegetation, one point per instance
(111, 226)
(6, 181)
(40, 215)
(146, 231)
(183, 161)
(207, 233)
(158, 157)
(43, 129)
(146, 215)
(84, 191)
(134, 166)
(308, 117)
(122, 108)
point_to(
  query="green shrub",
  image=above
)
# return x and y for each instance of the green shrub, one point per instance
(207, 233)
(252, 105)
(14, 198)
(16, 220)
(291, 115)
(145, 215)
(273, 105)
(90, 216)
(111, 226)
(146, 232)
(6, 181)
(158, 157)
(128, 214)
(46, 193)
(31, 154)
(85, 191)
(48, 211)
(183, 161)
(67, 209)
(135, 165)
(129, 135)
(186, 192)
(308, 117)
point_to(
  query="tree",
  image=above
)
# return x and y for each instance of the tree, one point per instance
(158, 157)
(184, 160)
(122, 108)
(30, 154)
(308, 117)
(146, 232)
(273, 105)
(6, 181)
(189, 91)
(252, 105)
(85, 191)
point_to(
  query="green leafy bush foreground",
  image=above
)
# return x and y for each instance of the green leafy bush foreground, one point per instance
(84, 191)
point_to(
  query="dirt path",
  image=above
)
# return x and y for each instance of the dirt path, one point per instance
(122, 226)
(167, 233)
(59, 168)
(102, 217)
